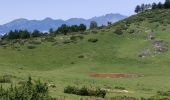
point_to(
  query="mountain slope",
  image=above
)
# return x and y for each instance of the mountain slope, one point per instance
(64, 63)
(47, 23)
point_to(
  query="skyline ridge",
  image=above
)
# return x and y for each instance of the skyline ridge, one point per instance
(64, 9)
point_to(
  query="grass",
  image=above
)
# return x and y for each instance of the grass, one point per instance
(60, 64)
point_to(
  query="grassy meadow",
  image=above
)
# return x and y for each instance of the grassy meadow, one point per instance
(64, 64)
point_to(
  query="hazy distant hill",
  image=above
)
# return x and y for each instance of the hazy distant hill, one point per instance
(47, 23)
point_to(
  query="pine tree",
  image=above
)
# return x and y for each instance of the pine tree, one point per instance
(93, 25)
(137, 9)
(82, 27)
(160, 5)
(167, 4)
(154, 5)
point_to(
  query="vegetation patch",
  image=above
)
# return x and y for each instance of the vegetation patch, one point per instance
(76, 38)
(5, 79)
(118, 31)
(163, 93)
(81, 56)
(35, 42)
(27, 91)
(92, 40)
(119, 87)
(31, 47)
(84, 91)
(3, 42)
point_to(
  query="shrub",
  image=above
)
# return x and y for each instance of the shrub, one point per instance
(100, 93)
(21, 42)
(71, 90)
(94, 31)
(35, 42)
(31, 47)
(27, 91)
(84, 91)
(5, 79)
(92, 40)
(67, 41)
(2, 42)
(131, 31)
(50, 39)
(163, 93)
(118, 87)
(15, 47)
(81, 56)
(118, 31)
(75, 38)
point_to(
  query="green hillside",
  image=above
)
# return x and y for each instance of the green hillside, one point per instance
(71, 59)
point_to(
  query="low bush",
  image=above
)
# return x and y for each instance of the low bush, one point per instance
(15, 47)
(71, 90)
(84, 91)
(81, 56)
(35, 42)
(5, 79)
(2, 42)
(118, 87)
(94, 31)
(92, 40)
(118, 31)
(22, 42)
(31, 47)
(50, 39)
(163, 93)
(75, 38)
(103, 30)
(27, 91)
(67, 41)
(131, 31)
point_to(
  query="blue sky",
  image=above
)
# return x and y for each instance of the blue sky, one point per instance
(65, 9)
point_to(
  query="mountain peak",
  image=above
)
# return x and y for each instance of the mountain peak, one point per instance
(20, 20)
(48, 19)
(47, 23)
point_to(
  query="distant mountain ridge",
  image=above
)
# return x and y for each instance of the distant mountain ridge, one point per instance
(47, 23)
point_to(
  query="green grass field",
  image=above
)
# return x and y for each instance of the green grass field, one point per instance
(60, 64)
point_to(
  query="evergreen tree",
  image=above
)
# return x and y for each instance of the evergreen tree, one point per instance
(82, 27)
(167, 4)
(93, 25)
(160, 5)
(143, 7)
(63, 29)
(154, 5)
(51, 30)
(13, 35)
(36, 33)
(74, 28)
(24, 34)
(137, 9)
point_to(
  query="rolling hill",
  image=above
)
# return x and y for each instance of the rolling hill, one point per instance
(72, 61)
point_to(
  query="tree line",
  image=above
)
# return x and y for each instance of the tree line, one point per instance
(22, 34)
(25, 34)
(144, 7)
(63, 29)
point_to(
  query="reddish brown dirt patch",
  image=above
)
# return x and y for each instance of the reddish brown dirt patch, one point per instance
(114, 75)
